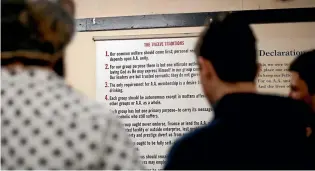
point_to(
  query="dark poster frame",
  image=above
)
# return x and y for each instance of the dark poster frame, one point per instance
(291, 15)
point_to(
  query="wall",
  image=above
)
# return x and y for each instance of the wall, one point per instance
(101, 8)
(81, 53)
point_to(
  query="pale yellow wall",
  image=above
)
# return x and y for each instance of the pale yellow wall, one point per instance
(101, 8)
(81, 53)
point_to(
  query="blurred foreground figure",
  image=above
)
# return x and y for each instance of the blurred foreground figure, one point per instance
(46, 124)
(250, 131)
(303, 88)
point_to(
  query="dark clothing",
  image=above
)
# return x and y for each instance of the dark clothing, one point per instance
(311, 138)
(311, 141)
(250, 131)
(59, 67)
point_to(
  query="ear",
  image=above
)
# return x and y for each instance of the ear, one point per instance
(206, 67)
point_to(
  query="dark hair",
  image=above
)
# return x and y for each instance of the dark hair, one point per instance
(230, 45)
(304, 65)
(59, 67)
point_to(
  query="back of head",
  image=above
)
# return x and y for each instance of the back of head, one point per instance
(304, 65)
(35, 32)
(230, 45)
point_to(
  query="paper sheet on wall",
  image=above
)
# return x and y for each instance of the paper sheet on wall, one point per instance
(153, 86)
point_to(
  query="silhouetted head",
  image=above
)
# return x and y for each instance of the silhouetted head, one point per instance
(303, 77)
(226, 53)
(35, 32)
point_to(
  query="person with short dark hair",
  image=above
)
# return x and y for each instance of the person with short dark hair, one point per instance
(303, 78)
(249, 131)
(303, 88)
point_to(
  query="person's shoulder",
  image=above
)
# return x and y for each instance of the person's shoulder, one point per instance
(191, 144)
(203, 131)
(194, 138)
(90, 109)
(282, 101)
(86, 111)
(84, 104)
(285, 106)
(109, 133)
